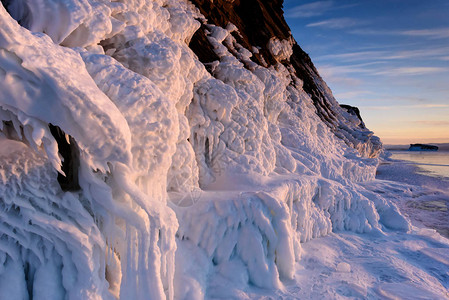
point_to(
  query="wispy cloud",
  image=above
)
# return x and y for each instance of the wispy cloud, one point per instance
(375, 98)
(369, 31)
(412, 71)
(439, 53)
(417, 106)
(309, 10)
(342, 80)
(315, 9)
(438, 33)
(355, 94)
(366, 108)
(336, 23)
(432, 123)
(353, 56)
(372, 69)
(339, 70)
(424, 53)
(433, 33)
(408, 98)
(343, 74)
(430, 105)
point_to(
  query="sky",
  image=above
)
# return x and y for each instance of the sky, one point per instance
(390, 58)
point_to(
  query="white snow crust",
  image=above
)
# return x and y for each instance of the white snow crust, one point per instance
(194, 184)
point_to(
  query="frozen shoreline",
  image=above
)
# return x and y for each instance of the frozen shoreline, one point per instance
(387, 265)
(435, 164)
(427, 202)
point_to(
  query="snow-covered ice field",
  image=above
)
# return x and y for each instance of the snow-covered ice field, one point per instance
(392, 265)
(381, 265)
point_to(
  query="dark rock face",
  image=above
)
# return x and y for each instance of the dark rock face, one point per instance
(257, 21)
(306, 71)
(201, 46)
(71, 159)
(260, 21)
(67, 149)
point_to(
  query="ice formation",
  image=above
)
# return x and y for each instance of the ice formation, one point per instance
(188, 173)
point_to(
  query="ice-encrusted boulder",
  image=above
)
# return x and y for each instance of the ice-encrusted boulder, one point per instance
(203, 148)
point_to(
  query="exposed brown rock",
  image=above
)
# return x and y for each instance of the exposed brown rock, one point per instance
(257, 21)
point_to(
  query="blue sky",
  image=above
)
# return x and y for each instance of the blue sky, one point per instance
(390, 58)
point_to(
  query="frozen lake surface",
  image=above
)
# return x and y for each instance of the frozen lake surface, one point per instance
(425, 174)
(428, 162)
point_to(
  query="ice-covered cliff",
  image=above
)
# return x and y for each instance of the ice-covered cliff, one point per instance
(197, 148)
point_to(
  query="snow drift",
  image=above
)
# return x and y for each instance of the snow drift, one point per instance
(191, 173)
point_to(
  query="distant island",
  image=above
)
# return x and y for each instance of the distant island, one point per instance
(405, 147)
(422, 147)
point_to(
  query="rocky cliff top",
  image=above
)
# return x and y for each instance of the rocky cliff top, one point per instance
(262, 29)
